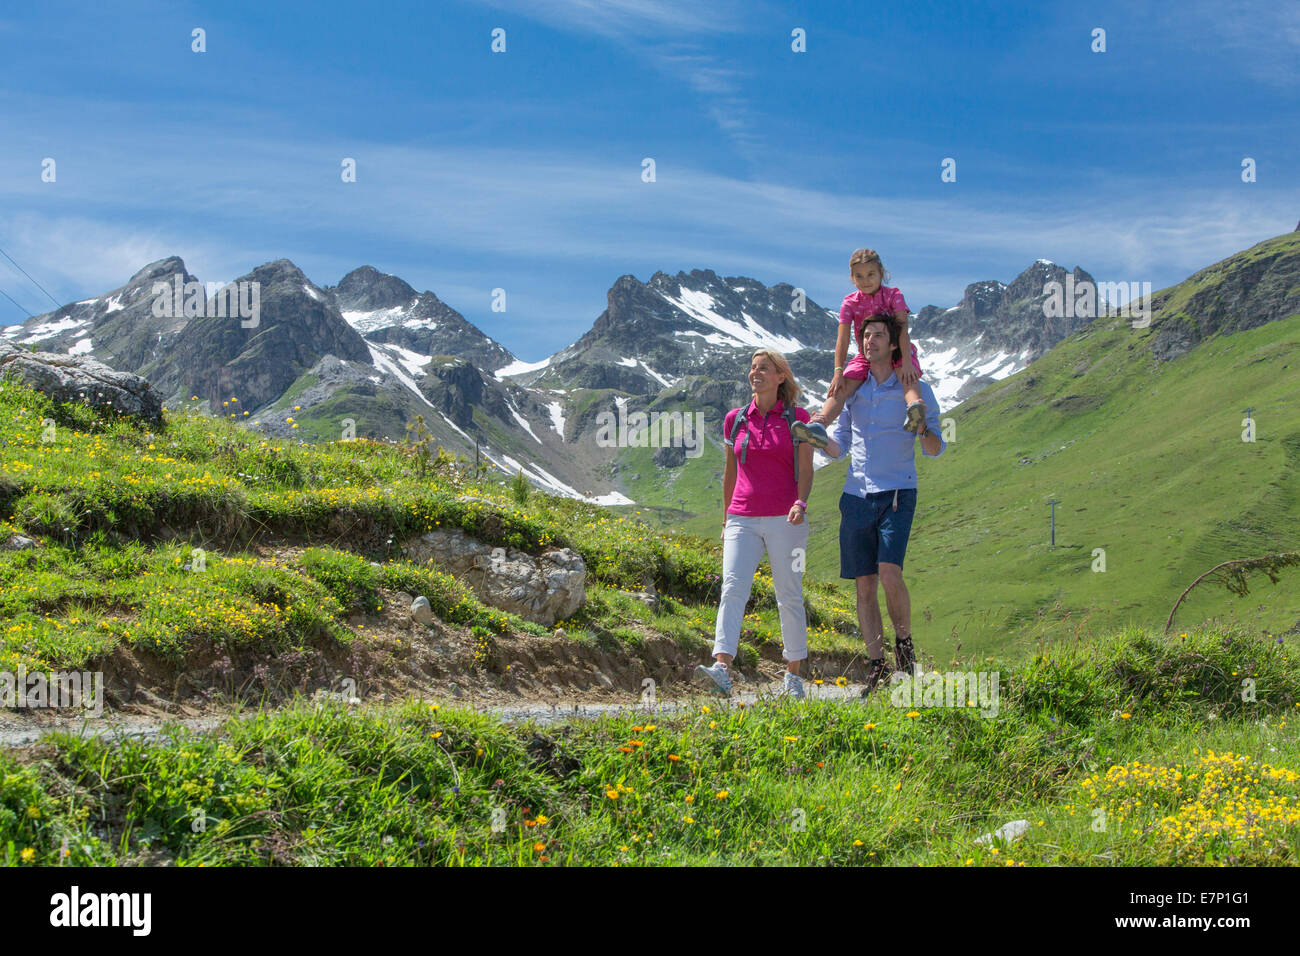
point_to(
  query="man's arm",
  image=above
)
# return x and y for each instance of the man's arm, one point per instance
(841, 433)
(932, 444)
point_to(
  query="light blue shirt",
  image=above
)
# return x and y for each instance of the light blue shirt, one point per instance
(882, 454)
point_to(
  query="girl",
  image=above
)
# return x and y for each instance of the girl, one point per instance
(763, 510)
(872, 298)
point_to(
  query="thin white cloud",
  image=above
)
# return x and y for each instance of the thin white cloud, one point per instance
(673, 36)
(1262, 35)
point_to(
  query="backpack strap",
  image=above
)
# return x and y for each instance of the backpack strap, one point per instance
(739, 422)
(790, 419)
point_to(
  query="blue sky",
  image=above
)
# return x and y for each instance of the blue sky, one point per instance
(522, 170)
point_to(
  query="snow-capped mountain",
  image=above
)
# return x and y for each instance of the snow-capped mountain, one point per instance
(371, 353)
(653, 334)
(995, 331)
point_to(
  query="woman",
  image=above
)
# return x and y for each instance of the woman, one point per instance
(764, 509)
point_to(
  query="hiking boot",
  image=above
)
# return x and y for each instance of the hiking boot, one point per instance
(814, 433)
(876, 672)
(793, 685)
(717, 675)
(905, 654)
(915, 417)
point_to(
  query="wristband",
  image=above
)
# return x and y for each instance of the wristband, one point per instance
(839, 368)
(802, 504)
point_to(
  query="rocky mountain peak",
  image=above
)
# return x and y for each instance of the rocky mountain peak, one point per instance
(366, 288)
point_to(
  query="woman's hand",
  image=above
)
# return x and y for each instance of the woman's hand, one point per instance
(907, 374)
(796, 515)
(837, 385)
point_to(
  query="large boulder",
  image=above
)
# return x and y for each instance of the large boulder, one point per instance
(544, 589)
(67, 378)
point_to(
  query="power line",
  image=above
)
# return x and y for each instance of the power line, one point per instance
(57, 303)
(11, 299)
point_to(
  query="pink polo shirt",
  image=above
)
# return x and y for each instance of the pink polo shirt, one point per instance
(765, 483)
(858, 306)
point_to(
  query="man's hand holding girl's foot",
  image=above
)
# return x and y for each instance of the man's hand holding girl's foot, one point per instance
(915, 417)
(813, 432)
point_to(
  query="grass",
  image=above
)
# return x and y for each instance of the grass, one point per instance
(146, 542)
(1133, 749)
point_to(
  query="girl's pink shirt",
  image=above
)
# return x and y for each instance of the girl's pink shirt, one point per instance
(858, 306)
(765, 482)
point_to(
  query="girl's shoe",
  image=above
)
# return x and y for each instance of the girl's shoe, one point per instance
(915, 417)
(717, 675)
(793, 685)
(814, 433)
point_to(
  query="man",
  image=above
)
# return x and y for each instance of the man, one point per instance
(879, 496)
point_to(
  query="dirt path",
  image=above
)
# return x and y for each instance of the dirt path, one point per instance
(146, 727)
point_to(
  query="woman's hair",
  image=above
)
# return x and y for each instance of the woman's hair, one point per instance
(788, 391)
(867, 257)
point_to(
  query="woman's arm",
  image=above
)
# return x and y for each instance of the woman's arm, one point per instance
(805, 481)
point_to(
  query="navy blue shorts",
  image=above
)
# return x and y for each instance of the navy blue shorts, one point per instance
(871, 531)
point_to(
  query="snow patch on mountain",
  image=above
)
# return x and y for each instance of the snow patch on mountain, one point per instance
(557, 417)
(523, 423)
(700, 307)
(47, 329)
(519, 367)
(377, 319)
(395, 367)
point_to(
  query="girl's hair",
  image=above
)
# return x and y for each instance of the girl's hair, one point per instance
(788, 391)
(867, 257)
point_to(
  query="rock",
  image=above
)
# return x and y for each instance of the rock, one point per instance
(604, 681)
(542, 589)
(559, 632)
(66, 378)
(649, 597)
(1009, 831)
(421, 612)
(18, 542)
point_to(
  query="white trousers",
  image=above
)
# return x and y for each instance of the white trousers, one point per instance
(786, 545)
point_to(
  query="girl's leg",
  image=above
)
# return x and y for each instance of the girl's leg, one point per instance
(831, 410)
(787, 550)
(742, 549)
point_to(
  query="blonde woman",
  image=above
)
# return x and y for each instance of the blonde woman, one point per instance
(766, 480)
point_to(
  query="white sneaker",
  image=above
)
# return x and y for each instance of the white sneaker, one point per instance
(793, 685)
(717, 675)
